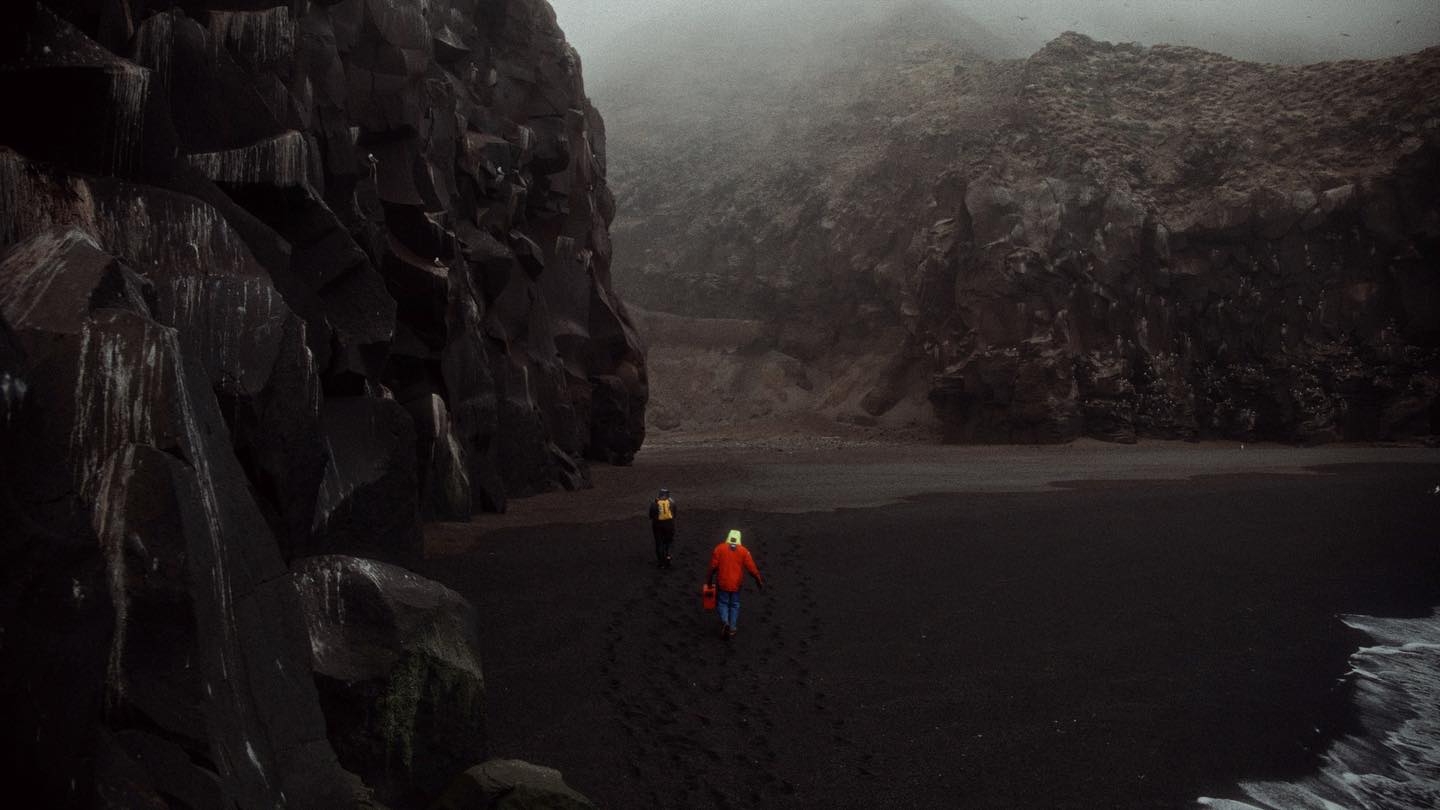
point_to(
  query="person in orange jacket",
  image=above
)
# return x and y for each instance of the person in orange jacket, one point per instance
(728, 564)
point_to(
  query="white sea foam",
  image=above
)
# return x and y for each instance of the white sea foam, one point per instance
(1394, 763)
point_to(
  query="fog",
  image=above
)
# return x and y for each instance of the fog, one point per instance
(605, 31)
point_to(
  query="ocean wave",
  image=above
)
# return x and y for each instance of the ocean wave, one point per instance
(1393, 763)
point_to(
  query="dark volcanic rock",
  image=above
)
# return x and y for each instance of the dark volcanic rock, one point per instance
(207, 284)
(511, 784)
(85, 107)
(276, 280)
(440, 461)
(368, 500)
(397, 662)
(141, 608)
(356, 173)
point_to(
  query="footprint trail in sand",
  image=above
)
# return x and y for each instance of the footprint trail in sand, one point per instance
(697, 722)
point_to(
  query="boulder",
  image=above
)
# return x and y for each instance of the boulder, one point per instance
(396, 659)
(511, 784)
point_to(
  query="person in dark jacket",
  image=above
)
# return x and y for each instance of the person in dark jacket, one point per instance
(662, 524)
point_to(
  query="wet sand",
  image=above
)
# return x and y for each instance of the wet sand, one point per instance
(946, 627)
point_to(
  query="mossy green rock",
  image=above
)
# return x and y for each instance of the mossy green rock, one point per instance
(397, 665)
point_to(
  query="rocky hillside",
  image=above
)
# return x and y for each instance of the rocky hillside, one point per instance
(277, 280)
(728, 163)
(1102, 240)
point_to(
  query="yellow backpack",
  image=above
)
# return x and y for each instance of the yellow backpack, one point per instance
(663, 510)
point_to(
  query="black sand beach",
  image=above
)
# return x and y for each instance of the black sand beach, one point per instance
(1100, 643)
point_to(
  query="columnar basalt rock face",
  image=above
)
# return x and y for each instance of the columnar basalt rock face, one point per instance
(276, 279)
(150, 649)
(1099, 240)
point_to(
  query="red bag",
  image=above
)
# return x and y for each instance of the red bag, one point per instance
(707, 597)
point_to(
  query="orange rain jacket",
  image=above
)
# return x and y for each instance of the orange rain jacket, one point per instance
(732, 563)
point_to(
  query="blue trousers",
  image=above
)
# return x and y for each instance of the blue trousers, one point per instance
(727, 604)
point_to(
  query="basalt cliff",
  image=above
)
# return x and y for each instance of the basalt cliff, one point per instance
(278, 281)
(1099, 240)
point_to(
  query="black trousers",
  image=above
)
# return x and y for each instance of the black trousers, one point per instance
(664, 536)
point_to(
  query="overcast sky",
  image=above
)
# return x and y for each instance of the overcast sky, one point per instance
(1333, 29)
